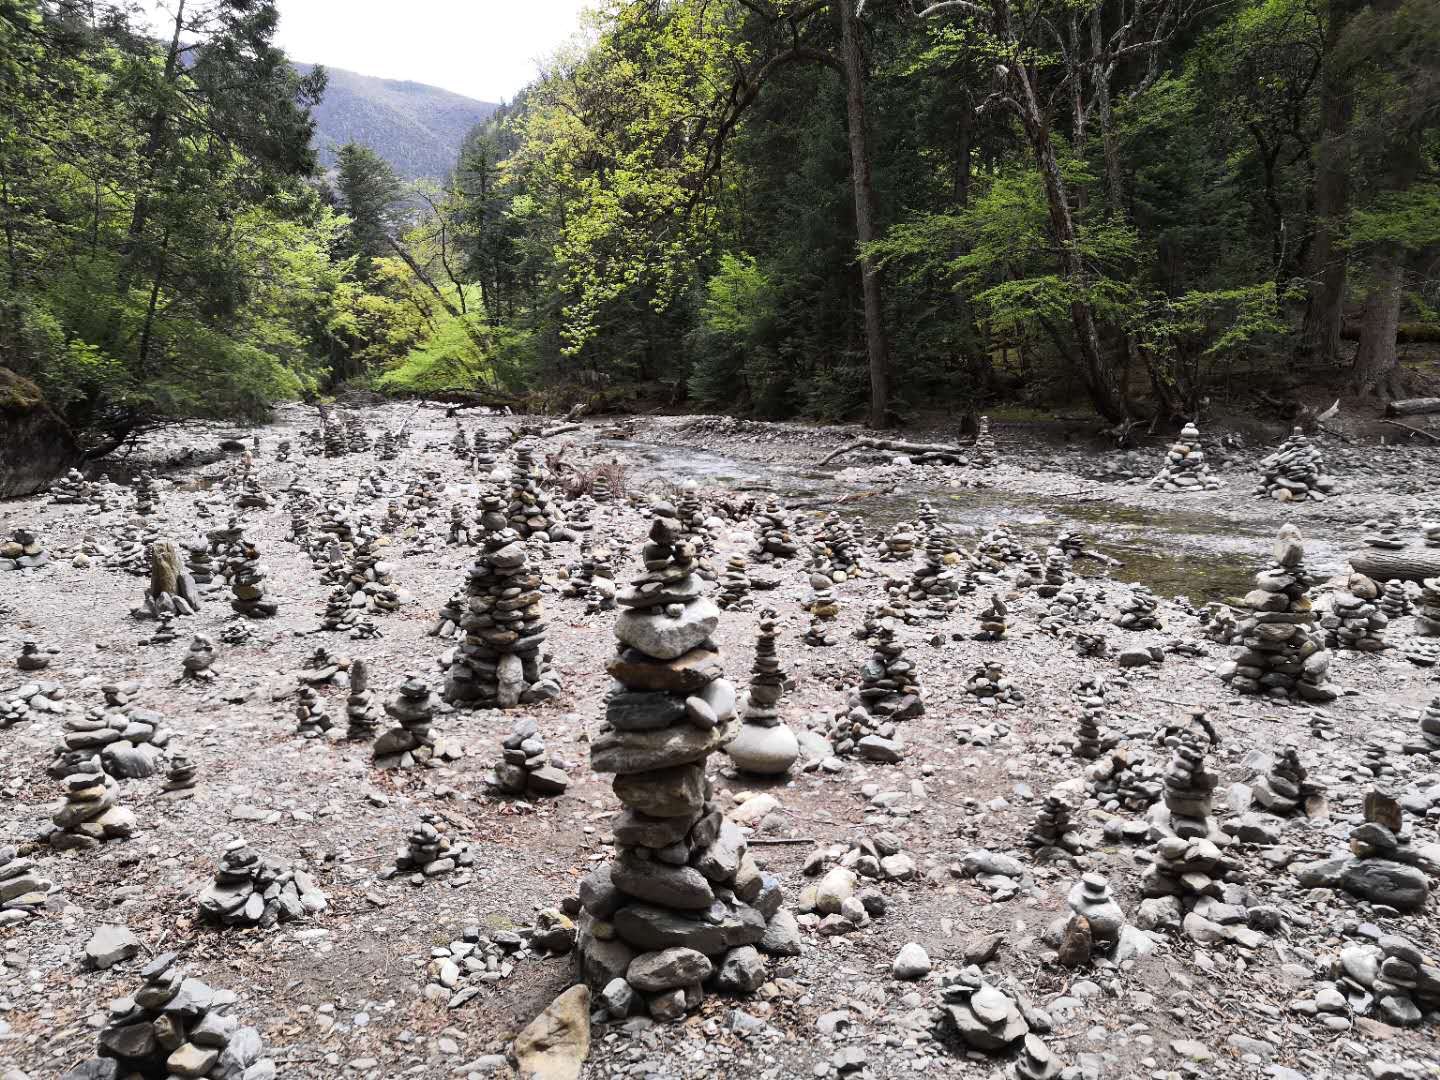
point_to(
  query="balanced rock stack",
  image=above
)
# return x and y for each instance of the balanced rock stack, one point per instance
(1054, 834)
(993, 687)
(1185, 467)
(889, 692)
(899, 545)
(983, 456)
(1384, 535)
(980, 1016)
(529, 511)
(772, 525)
(71, 489)
(180, 777)
(462, 530)
(23, 551)
(735, 585)
(247, 574)
(409, 744)
(252, 496)
(1057, 573)
(428, 853)
(1281, 654)
(484, 452)
(682, 900)
(933, 583)
(1427, 615)
(334, 440)
(282, 451)
(362, 715)
(1189, 789)
(172, 591)
(386, 448)
(1296, 472)
(199, 659)
(993, 620)
(368, 579)
(312, 721)
(1384, 866)
(89, 816)
(339, 614)
(499, 664)
(524, 767)
(1355, 620)
(460, 442)
(22, 890)
(1286, 787)
(765, 745)
(249, 890)
(1429, 730)
(177, 1027)
(147, 496)
(1394, 600)
(834, 549)
(357, 440)
(1137, 612)
(129, 741)
(32, 658)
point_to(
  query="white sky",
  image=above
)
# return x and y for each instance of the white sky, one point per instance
(486, 49)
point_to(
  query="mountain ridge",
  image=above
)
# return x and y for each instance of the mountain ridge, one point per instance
(416, 127)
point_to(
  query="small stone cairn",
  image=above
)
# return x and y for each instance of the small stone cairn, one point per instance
(339, 615)
(499, 664)
(1286, 788)
(362, 714)
(29, 701)
(1280, 653)
(834, 549)
(357, 440)
(410, 744)
(1137, 611)
(735, 585)
(334, 440)
(1185, 467)
(147, 495)
(1355, 620)
(765, 745)
(460, 442)
(524, 768)
(1296, 472)
(246, 575)
(177, 1027)
(23, 891)
(981, 1017)
(123, 741)
(530, 511)
(983, 456)
(993, 620)
(251, 890)
(933, 583)
(180, 777)
(312, 721)
(462, 529)
(71, 489)
(1053, 834)
(1427, 615)
(773, 527)
(172, 591)
(1384, 866)
(993, 687)
(1429, 742)
(1393, 980)
(899, 545)
(89, 816)
(23, 551)
(889, 692)
(32, 657)
(198, 660)
(1394, 600)
(1189, 790)
(428, 853)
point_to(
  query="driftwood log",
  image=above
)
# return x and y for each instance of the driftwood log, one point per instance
(1413, 406)
(949, 455)
(1413, 430)
(1413, 564)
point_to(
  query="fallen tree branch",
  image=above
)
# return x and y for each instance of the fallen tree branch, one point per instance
(1413, 406)
(922, 449)
(1413, 430)
(1411, 565)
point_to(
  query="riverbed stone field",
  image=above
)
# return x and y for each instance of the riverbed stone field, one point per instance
(1043, 762)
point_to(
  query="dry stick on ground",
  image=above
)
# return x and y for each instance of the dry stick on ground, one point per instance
(924, 449)
(1413, 430)
(783, 840)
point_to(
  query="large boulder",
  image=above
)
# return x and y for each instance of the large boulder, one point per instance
(36, 445)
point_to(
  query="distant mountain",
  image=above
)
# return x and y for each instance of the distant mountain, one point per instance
(417, 128)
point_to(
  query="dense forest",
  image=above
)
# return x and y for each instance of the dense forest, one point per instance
(771, 207)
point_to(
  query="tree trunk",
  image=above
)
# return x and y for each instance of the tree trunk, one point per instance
(151, 155)
(875, 343)
(1376, 360)
(1320, 335)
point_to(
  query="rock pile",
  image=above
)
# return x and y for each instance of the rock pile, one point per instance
(1126, 780)
(32, 657)
(1429, 730)
(993, 620)
(1093, 927)
(334, 440)
(198, 660)
(993, 687)
(180, 777)
(1392, 980)
(524, 767)
(428, 853)
(1296, 472)
(1355, 620)
(1427, 616)
(1280, 654)
(981, 1017)
(125, 742)
(765, 745)
(1384, 867)
(735, 585)
(71, 489)
(1137, 612)
(312, 720)
(410, 744)
(177, 1027)
(529, 511)
(499, 663)
(250, 890)
(172, 591)
(933, 583)
(899, 545)
(772, 526)
(23, 551)
(23, 891)
(1394, 600)
(1053, 833)
(1189, 789)
(29, 701)
(462, 530)
(252, 496)
(147, 495)
(362, 715)
(1185, 467)
(89, 816)
(357, 439)
(889, 691)
(1286, 788)
(983, 456)
(833, 549)
(246, 575)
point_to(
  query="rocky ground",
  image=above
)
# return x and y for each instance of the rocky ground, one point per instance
(342, 992)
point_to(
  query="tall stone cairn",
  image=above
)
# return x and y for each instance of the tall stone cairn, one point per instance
(1427, 612)
(1281, 653)
(499, 664)
(529, 511)
(147, 495)
(765, 745)
(410, 744)
(683, 901)
(1185, 467)
(984, 456)
(247, 574)
(1296, 472)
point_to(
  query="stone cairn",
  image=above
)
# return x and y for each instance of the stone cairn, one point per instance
(23, 551)
(1057, 574)
(1394, 600)
(334, 439)
(765, 745)
(983, 455)
(462, 529)
(1280, 653)
(1092, 736)
(460, 442)
(368, 579)
(683, 900)
(993, 687)
(981, 1017)
(899, 545)
(198, 660)
(386, 448)
(499, 664)
(1189, 790)
(410, 744)
(147, 495)
(1286, 788)
(282, 451)
(993, 620)
(428, 853)
(1392, 980)
(172, 591)
(889, 692)
(362, 714)
(252, 496)
(823, 608)
(23, 891)
(339, 614)
(1054, 834)
(177, 1027)
(71, 489)
(933, 583)
(122, 741)
(834, 549)
(89, 816)
(1185, 467)
(200, 564)
(312, 721)
(180, 777)
(29, 701)
(246, 575)
(1137, 611)
(524, 769)
(1427, 615)
(250, 890)
(530, 511)
(1384, 867)
(357, 441)
(735, 585)
(772, 526)
(1355, 620)
(1295, 472)
(1429, 730)
(32, 658)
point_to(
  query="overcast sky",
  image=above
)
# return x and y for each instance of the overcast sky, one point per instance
(485, 49)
